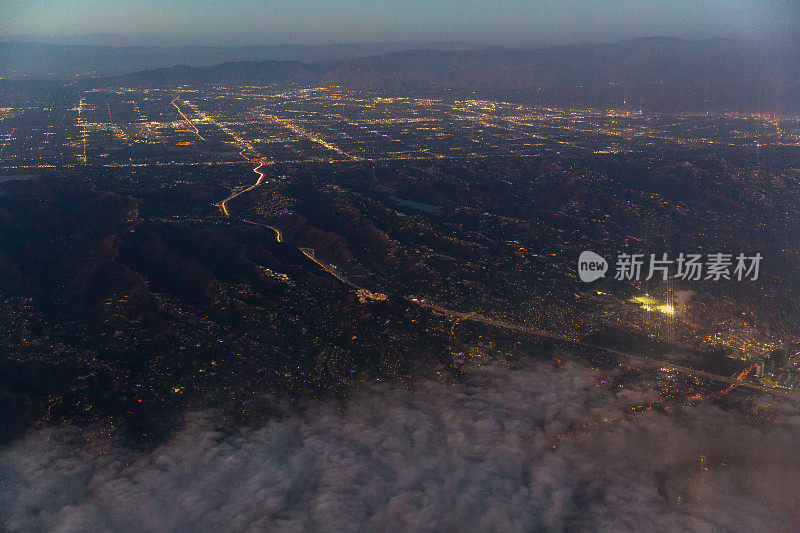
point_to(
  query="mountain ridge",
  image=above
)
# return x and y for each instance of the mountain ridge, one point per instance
(654, 73)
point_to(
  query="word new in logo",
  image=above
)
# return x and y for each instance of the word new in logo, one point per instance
(591, 266)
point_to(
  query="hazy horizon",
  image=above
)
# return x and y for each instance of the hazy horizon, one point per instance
(480, 23)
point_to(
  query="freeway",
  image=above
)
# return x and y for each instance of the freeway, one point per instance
(224, 203)
(82, 124)
(638, 360)
(309, 252)
(189, 122)
(294, 128)
(258, 171)
(278, 234)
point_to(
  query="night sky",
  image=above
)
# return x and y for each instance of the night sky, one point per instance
(514, 23)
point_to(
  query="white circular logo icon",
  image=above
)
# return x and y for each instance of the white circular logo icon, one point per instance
(591, 266)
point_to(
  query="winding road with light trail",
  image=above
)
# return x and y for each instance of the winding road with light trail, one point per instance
(224, 203)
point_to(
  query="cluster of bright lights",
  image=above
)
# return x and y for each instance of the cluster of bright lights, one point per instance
(664, 308)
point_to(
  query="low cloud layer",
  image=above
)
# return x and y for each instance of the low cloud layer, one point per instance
(483, 455)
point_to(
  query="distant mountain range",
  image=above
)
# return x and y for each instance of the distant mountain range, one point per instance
(652, 73)
(38, 60)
